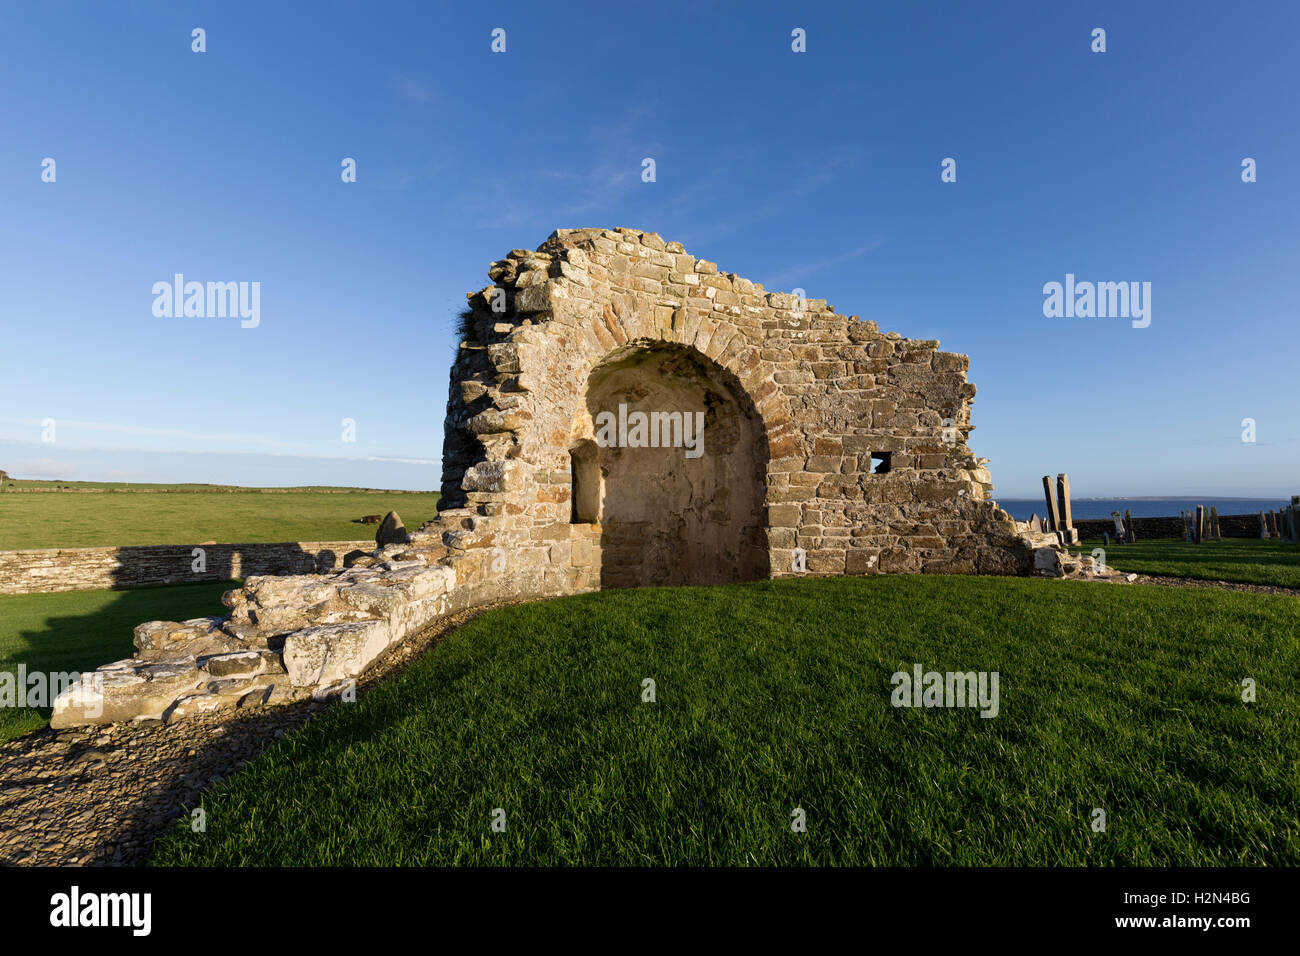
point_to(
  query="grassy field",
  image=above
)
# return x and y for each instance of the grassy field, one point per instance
(40, 484)
(1245, 560)
(70, 520)
(773, 696)
(80, 630)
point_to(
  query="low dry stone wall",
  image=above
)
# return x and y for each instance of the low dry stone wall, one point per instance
(85, 569)
(300, 636)
(1233, 526)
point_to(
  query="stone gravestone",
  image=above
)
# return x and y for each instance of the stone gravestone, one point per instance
(1263, 525)
(1049, 492)
(1119, 526)
(392, 531)
(1068, 533)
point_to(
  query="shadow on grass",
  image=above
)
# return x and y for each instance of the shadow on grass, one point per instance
(81, 630)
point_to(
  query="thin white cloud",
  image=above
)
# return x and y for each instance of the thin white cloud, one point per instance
(797, 273)
(256, 453)
(414, 91)
(67, 424)
(397, 461)
(589, 190)
(782, 195)
(42, 468)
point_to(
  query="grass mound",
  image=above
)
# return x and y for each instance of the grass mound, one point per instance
(775, 696)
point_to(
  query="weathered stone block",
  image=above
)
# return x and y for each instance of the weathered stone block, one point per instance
(331, 652)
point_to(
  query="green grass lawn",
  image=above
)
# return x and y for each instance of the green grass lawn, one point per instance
(80, 630)
(59, 520)
(1245, 560)
(773, 696)
(185, 487)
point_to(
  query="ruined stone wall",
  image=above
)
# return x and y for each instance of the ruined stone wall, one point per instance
(82, 569)
(287, 638)
(816, 395)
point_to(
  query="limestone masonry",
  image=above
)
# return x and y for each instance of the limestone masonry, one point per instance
(827, 448)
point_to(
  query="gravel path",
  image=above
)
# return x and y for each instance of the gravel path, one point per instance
(103, 795)
(1171, 582)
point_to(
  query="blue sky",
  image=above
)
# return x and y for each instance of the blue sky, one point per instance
(817, 170)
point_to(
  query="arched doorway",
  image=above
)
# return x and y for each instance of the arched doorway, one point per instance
(680, 456)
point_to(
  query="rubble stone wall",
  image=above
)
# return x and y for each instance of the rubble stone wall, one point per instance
(1233, 526)
(83, 569)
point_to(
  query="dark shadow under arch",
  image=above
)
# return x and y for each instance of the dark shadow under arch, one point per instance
(691, 512)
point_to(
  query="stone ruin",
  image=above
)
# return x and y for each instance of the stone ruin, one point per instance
(824, 447)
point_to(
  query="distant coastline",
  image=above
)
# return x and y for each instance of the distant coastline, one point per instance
(1141, 507)
(1174, 498)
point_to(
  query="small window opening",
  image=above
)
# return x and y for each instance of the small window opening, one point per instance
(585, 482)
(880, 462)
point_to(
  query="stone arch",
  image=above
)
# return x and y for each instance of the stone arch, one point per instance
(628, 320)
(682, 454)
